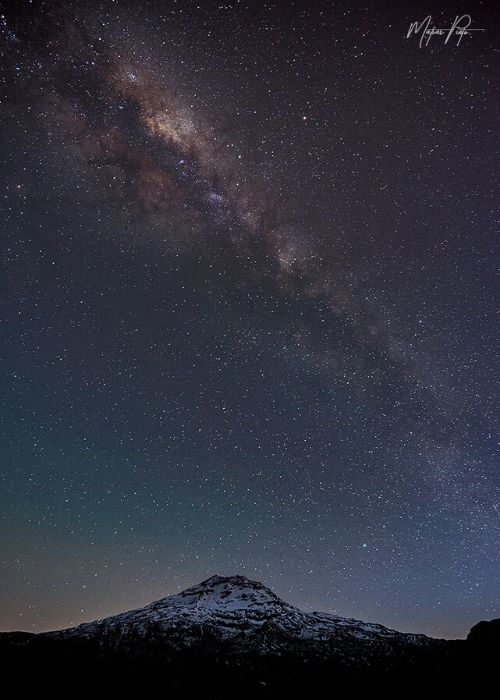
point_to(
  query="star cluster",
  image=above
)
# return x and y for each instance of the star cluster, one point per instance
(247, 309)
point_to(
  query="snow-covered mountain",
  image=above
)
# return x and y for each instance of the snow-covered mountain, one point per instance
(235, 615)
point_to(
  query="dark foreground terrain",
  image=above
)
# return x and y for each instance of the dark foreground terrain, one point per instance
(233, 638)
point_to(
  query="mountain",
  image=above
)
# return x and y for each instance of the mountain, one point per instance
(486, 634)
(235, 615)
(232, 637)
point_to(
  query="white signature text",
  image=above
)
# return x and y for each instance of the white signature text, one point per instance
(460, 28)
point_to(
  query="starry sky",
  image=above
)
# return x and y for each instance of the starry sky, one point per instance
(247, 308)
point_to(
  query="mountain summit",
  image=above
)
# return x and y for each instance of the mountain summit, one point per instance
(236, 591)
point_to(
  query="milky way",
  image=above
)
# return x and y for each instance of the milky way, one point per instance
(247, 302)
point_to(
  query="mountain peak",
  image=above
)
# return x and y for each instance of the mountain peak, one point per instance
(236, 581)
(237, 590)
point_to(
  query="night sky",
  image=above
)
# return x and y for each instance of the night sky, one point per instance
(247, 308)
